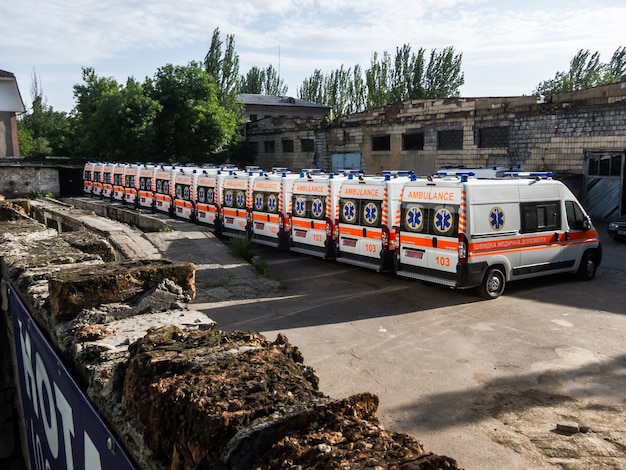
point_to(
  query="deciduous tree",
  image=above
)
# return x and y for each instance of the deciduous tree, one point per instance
(585, 71)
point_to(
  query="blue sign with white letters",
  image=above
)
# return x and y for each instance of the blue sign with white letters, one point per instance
(63, 429)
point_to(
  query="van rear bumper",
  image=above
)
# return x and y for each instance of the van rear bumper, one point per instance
(470, 274)
(466, 276)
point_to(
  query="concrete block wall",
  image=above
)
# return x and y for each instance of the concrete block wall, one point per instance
(281, 128)
(22, 179)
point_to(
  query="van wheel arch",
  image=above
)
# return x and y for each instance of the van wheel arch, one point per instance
(493, 283)
(588, 266)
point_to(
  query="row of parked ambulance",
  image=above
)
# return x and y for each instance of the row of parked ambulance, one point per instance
(460, 228)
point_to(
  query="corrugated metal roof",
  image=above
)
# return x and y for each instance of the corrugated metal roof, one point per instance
(267, 100)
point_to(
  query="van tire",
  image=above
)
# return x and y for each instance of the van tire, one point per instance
(493, 284)
(588, 266)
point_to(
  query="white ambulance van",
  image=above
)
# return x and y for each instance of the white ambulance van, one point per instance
(147, 186)
(164, 189)
(131, 183)
(107, 180)
(468, 232)
(98, 168)
(367, 205)
(119, 171)
(237, 201)
(315, 213)
(185, 181)
(271, 207)
(208, 201)
(88, 178)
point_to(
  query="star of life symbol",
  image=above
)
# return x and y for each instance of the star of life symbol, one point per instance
(228, 198)
(272, 203)
(370, 213)
(414, 218)
(201, 194)
(443, 220)
(317, 208)
(241, 199)
(299, 208)
(496, 218)
(258, 202)
(209, 195)
(349, 211)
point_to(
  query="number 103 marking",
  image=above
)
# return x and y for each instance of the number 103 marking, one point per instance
(442, 260)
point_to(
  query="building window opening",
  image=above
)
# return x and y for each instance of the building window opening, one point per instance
(307, 145)
(493, 137)
(450, 139)
(605, 165)
(413, 141)
(381, 143)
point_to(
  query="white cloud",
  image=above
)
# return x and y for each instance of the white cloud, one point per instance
(133, 37)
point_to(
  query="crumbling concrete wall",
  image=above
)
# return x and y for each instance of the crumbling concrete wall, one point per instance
(176, 391)
(20, 180)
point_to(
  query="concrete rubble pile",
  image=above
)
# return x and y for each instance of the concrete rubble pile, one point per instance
(178, 392)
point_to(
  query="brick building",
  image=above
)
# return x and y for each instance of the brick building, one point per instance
(284, 131)
(581, 136)
(11, 105)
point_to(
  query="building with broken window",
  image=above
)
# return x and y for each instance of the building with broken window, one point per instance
(580, 136)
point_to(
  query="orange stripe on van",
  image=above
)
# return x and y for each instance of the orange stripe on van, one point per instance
(462, 213)
(233, 212)
(385, 207)
(528, 243)
(265, 217)
(306, 224)
(357, 231)
(427, 242)
(207, 208)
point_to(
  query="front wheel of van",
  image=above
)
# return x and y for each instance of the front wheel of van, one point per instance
(588, 266)
(493, 284)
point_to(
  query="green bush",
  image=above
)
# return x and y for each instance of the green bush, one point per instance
(243, 247)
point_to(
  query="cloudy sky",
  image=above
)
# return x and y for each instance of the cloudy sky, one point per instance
(508, 47)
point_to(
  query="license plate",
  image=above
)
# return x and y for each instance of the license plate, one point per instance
(414, 254)
(621, 232)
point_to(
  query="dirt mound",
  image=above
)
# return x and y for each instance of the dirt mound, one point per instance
(209, 399)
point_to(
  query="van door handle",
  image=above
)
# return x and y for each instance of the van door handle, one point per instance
(434, 242)
(364, 232)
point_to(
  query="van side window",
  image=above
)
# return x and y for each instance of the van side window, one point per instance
(575, 215)
(309, 206)
(540, 216)
(430, 219)
(363, 212)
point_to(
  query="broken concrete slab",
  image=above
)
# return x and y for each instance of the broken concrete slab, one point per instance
(73, 289)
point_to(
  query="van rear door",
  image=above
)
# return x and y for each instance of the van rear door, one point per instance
(428, 238)
(360, 222)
